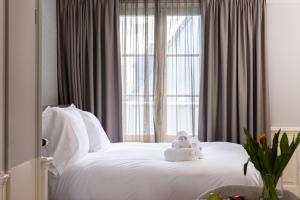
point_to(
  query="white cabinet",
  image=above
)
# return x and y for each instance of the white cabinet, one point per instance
(291, 175)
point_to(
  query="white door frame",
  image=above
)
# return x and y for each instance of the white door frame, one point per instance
(37, 162)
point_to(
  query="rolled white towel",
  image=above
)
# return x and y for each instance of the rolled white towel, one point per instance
(195, 143)
(181, 143)
(181, 154)
(175, 144)
(198, 153)
(181, 133)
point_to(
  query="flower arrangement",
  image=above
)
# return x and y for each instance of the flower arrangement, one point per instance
(270, 160)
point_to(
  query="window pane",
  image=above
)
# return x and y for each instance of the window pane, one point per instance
(138, 115)
(183, 34)
(182, 115)
(137, 75)
(183, 75)
(137, 78)
(137, 34)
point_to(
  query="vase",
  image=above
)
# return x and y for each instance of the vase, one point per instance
(272, 190)
(279, 188)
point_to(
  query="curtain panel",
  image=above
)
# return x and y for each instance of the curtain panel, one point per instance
(234, 84)
(89, 72)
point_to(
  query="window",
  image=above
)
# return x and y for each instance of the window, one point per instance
(178, 52)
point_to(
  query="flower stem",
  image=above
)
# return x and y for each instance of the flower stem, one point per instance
(269, 190)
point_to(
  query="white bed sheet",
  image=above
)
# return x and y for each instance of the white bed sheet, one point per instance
(135, 171)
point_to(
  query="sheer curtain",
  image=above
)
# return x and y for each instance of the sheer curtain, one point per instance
(160, 45)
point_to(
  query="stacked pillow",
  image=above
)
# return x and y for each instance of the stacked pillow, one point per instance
(97, 136)
(72, 133)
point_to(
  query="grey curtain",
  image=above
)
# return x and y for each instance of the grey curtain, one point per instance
(89, 73)
(234, 92)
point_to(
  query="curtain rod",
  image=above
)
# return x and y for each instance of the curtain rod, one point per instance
(161, 1)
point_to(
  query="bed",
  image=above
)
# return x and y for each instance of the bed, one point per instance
(138, 171)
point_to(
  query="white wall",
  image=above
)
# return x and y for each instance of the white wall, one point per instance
(49, 53)
(2, 85)
(283, 43)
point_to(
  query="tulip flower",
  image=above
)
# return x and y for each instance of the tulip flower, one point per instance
(262, 138)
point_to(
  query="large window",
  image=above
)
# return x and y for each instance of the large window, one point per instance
(169, 41)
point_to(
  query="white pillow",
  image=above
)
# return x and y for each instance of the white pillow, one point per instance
(68, 139)
(97, 136)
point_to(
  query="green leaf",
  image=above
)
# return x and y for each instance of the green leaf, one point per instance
(246, 166)
(274, 151)
(264, 160)
(250, 140)
(284, 144)
(286, 157)
(278, 162)
(252, 149)
(260, 160)
(297, 141)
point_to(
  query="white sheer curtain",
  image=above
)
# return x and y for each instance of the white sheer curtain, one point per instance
(160, 58)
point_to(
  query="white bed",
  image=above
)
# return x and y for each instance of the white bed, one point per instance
(136, 171)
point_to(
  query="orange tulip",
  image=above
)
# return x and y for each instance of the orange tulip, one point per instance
(262, 138)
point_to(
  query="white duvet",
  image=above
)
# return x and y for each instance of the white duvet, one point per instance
(137, 171)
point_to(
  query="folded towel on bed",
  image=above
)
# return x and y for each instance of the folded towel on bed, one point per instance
(184, 141)
(195, 143)
(184, 148)
(182, 154)
(181, 144)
